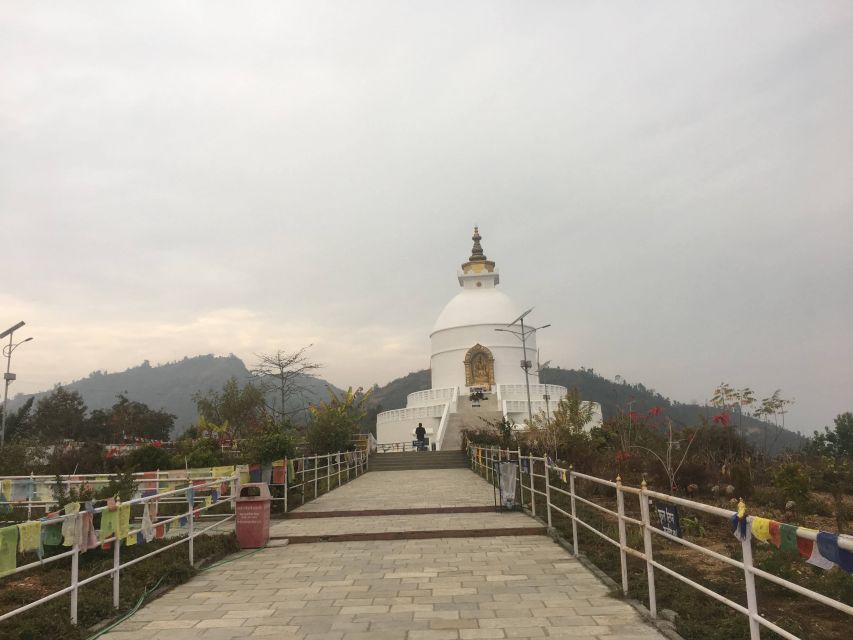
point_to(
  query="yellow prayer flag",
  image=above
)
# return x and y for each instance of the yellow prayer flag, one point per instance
(761, 528)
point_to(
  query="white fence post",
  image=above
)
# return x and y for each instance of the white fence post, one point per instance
(75, 568)
(532, 487)
(116, 563)
(751, 597)
(623, 538)
(647, 547)
(574, 513)
(339, 470)
(316, 462)
(287, 480)
(190, 526)
(548, 494)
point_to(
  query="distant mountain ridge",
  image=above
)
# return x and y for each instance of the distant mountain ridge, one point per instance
(168, 387)
(613, 398)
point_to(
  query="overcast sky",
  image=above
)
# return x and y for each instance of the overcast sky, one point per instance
(669, 183)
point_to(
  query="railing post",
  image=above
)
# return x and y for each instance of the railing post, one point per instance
(190, 526)
(531, 459)
(548, 495)
(75, 567)
(339, 470)
(287, 479)
(647, 547)
(30, 496)
(316, 459)
(574, 512)
(623, 538)
(751, 597)
(116, 563)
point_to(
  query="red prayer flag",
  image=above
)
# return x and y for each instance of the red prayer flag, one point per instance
(775, 534)
(805, 546)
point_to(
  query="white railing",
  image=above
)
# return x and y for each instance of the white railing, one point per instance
(307, 470)
(445, 394)
(398, 415)
(483, 459)
(116, 540)
(505, 391)
(445, 417)
(306, 475)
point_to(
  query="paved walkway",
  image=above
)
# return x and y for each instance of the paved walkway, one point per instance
(443, 588)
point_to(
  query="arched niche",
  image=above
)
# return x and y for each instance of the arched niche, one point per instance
(479, 367)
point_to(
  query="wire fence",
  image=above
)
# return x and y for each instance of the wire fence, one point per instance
(552, 491)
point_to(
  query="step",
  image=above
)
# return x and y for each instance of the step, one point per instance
(415, 535)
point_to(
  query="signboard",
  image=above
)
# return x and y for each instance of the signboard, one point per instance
(668, 518)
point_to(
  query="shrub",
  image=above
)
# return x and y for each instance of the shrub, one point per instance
(148, 458)
(271, 443)
(792, 479)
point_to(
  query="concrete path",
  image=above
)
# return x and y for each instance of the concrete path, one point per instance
(442, 588)
(407, 490)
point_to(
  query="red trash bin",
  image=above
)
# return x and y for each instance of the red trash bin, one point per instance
(253, 515)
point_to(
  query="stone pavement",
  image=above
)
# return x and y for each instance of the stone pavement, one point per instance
(441, 588)
(407, 490)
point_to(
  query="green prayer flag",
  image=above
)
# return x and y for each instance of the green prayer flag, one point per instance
(52, 534)
(291, 474)
(109, 522)
(8, 549)
(788, 533)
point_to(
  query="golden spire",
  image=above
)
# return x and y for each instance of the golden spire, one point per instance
(477, 254)
(478, 263)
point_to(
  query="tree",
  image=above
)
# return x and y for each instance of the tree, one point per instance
(272, 442)
(566, 424)
(19, 423)
(60, 415)
(334, 422)
(282, 376)
(839, 441)
(835, 449)
(128, 419)
(232, 412)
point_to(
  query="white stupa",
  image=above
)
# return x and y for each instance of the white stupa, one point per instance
(477, 372)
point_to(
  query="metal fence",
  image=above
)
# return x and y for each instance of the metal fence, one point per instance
(483, 459)
(309, 474)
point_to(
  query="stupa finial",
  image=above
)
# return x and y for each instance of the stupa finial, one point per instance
(477, 254)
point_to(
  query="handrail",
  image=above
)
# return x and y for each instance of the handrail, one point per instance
(335, 465)
(482, 459)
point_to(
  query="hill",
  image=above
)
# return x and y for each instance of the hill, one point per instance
(613, 397)
(168, 387)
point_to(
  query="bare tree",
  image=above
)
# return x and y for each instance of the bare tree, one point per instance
(283, 376)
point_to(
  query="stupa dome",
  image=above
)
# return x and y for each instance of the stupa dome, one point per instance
(477, 306)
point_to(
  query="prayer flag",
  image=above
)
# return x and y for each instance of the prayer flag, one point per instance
(775, 534)
(824, 543)
(788, 535)
(740, 528)
(29, 536)
(159, 531)
(254, 473)
(214, 496)
(183, 521)
(266, 473)
(291, 473)
(123, 520)
(52, 534)
(130, 540)
(761, 528)
(279, 474)
(109, 523)
(8, 550)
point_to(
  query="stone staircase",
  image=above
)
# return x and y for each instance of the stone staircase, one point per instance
(453, 459)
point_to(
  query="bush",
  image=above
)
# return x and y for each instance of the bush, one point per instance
(792, 479)
(271, 443)
(148, 458)
(203, 452)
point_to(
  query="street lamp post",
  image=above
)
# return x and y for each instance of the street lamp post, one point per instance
(545, 395)
(525, 363)
(8, 376)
